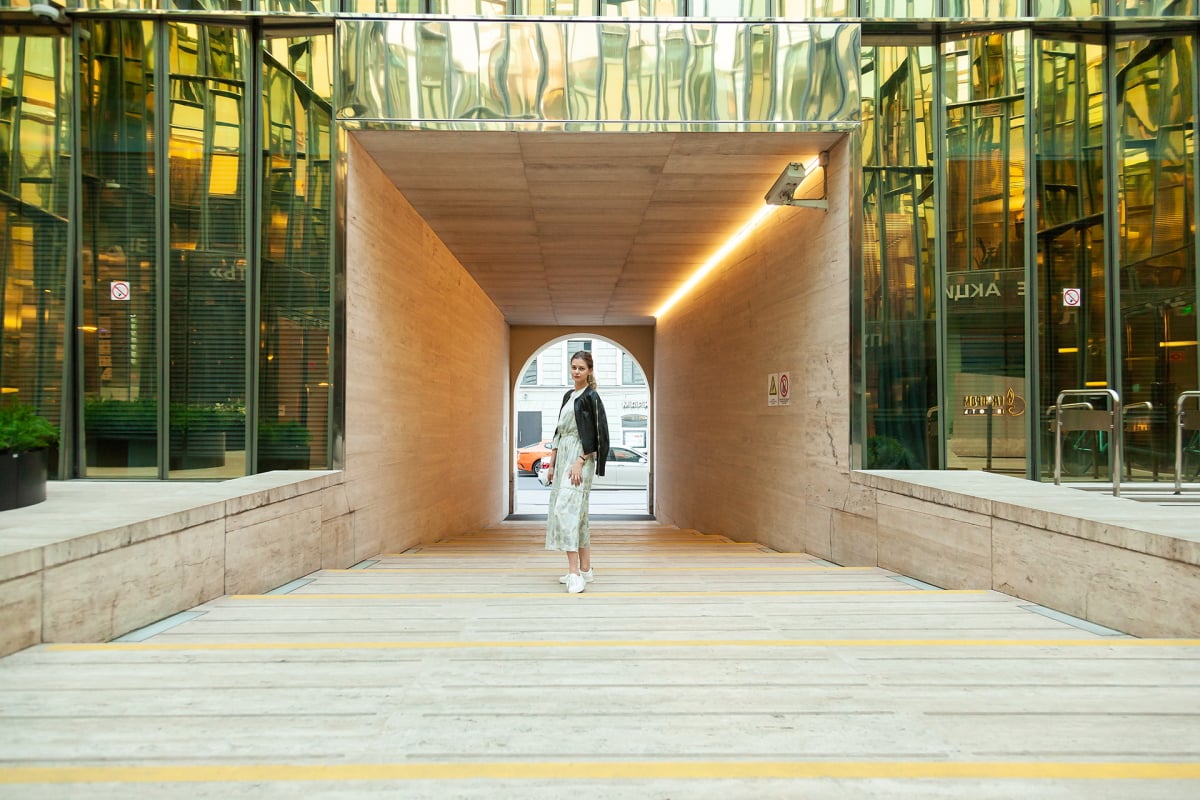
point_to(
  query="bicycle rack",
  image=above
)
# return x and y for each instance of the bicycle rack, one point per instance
(1186, 420)
(1088, 419)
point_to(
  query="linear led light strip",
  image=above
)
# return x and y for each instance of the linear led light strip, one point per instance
(724, 250)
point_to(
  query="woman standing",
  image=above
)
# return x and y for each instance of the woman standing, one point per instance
(577, 454)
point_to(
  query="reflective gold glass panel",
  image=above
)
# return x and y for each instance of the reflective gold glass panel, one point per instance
(1155, 8)
(297, 225)
(729, 8)
(607, 75)
(310, 6)
(1071, 8)
(206, 173)
(35, 148)
(984, 9)
(209, 5)
(1072, 298)
(119, 282)
(644, 8)
(814, 8)
(898, 9)
(899, 258)
(552, 8)
(469, 8)
(984, 352)
(118, 5)
(1155, 184)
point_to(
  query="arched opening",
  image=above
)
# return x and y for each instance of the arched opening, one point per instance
(625, 490)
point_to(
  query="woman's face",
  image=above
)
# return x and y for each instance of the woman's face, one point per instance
(579, 371)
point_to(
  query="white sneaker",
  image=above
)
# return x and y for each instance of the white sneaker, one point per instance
(575, 583)
(587, 576)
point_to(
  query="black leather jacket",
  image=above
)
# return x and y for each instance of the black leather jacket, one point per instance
(592, 423)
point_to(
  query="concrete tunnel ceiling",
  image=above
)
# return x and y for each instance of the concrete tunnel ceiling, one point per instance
(585, 229)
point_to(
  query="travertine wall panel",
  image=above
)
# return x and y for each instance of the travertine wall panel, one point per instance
(337, 543)
(1130, 591)
(98, 598)
(273, 549)
(854, 540)
(725, 461)
(116, 560)
(426, 377)
(20, 613)
(943, 546)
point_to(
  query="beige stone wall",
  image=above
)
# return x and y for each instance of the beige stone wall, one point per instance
(427, 387)
(112, 560)
(1127, 565)
(726, 462)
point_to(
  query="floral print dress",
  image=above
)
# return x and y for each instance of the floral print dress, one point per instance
(567, 516)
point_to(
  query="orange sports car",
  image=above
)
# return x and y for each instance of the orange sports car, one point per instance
(529, 456)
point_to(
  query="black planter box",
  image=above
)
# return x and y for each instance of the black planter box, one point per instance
(22, 479)
(283, 458)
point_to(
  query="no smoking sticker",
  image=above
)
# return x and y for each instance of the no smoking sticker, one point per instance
(779, 388)
(119, 290)
(1072, 298)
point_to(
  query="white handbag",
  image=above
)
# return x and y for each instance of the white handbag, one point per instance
(543, 473)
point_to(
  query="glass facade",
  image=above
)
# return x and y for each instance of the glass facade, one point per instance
(1028, 202)
(180, 283)
(1064, 197)
(35, 232)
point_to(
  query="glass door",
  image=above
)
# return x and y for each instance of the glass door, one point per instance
(1068, 135)
(984, 354)
(1155, 163)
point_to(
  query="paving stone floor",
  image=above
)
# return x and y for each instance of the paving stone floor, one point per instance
(693, 667)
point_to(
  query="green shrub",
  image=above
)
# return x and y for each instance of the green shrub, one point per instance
(282, 435)
(121, 419)
(22, 429)
(886, 452)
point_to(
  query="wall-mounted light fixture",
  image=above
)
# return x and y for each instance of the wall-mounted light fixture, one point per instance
(783, 192)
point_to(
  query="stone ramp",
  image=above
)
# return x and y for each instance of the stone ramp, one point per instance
(693, 666)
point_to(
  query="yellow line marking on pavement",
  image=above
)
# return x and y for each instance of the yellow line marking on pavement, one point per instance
(600, 770)
(598, 643)
(597, 595)
(607, 571)
(690, 552)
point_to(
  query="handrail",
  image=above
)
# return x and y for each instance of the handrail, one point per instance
(1114, 413)
(1083, 404)
(1180, 420)
(1050, 411)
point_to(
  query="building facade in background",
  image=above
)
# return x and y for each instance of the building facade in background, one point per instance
(619, 379)
(170, 257)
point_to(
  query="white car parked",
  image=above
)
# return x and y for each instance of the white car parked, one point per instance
(626, 468)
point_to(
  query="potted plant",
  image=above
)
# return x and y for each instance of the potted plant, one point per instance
(121, 433)
(24, 439)
(282, 444)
